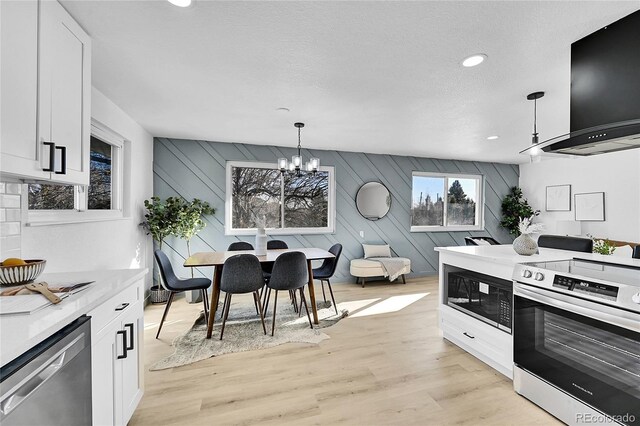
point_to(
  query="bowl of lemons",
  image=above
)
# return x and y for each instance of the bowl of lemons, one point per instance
(14, 271)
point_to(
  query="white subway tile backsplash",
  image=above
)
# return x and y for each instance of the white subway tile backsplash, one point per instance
(10, 220)
(13, 188)
(9, 228)
(12, 215)
(10, 201)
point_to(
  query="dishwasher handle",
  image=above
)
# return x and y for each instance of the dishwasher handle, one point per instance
(30, 384)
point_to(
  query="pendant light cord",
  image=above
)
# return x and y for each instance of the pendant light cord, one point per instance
(299, 144)
(535, 109)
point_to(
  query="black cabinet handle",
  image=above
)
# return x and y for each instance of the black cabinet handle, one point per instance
(123, 333)
(63, 160)
(130, 327)
(468, 335)
(52, 156)
(121, 307)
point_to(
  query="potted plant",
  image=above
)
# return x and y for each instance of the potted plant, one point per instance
(175, 217)
(514, 208)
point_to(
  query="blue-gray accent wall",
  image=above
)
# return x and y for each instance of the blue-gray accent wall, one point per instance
(196, 169)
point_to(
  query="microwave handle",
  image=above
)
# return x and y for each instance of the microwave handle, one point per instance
(587, 309)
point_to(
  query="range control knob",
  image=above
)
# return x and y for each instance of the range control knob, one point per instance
(527, 273)
(636, 298)
(539, 276)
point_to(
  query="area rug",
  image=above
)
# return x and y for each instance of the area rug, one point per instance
(243, 332)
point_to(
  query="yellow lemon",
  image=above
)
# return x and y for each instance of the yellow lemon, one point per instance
(13, 261)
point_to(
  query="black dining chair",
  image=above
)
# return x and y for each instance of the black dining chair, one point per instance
(241, 274)
(289, 273)
(473, 241)
(177, 285)
(636, 252)
(239, 245)
(326, 271)
(276, 244)
(566, 243)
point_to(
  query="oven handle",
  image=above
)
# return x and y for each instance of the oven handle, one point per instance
(618, 317)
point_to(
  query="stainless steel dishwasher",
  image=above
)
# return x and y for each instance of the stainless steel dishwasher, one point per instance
(50, 383)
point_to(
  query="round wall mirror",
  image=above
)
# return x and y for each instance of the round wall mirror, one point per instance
(373, 200)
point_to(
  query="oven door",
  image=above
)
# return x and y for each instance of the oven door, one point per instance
(585, 349)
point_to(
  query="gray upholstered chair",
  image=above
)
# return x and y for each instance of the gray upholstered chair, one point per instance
(326, 271)
(289, 273)
(241, 274)
(239, 245)
(566, 243)
(276, 244)
(636, 252)
(177, 285)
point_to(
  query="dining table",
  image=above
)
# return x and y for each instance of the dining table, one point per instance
(217, 259)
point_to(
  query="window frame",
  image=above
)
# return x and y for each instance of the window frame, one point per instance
(450, 228)
(80, 211)
(331, 208)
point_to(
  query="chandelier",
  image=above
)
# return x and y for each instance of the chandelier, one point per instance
(295, 166)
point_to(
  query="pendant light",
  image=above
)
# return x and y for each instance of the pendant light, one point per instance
(295, 166)
(534, 137)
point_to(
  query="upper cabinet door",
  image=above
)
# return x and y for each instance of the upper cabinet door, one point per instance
(20, 153)
(65, 93)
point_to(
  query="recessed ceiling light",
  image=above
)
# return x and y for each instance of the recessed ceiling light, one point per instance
(180, 3)
(493, 138)
(474, 60)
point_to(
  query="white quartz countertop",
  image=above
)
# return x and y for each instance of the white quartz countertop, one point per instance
(18, 333)
(506, 255)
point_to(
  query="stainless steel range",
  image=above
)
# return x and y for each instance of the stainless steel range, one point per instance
(577, 340)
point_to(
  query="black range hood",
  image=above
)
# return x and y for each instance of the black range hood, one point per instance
(605, 93)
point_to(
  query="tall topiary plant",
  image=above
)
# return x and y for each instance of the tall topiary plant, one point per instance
(189, 221)
(515, 207)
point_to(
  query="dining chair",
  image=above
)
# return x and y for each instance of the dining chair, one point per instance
(239, 245)
(326, 271)
(289, 273)
(177, 285)
(241, 274)
(566, 243)
(276, 244)
(636, 252)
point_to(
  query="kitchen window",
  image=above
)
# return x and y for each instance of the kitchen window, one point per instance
(100, 200)
(288, 204)
(446, 202)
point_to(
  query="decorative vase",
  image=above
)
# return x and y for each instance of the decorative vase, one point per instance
(525, 245)
(261, 242)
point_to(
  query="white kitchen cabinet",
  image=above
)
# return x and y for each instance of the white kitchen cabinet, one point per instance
(117, 327)
(20, 152)
(46, 89)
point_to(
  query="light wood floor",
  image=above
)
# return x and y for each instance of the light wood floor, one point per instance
(391, 368)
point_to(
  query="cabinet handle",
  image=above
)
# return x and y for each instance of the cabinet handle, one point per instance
(130, 327)
(63, 160)
(468, 335)
(52, 156)
(121, 307)
(123, 333)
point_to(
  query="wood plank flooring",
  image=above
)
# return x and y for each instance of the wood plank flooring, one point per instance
(386, 369)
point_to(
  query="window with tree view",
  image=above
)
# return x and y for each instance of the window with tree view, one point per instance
(446, 202)
(286, 202)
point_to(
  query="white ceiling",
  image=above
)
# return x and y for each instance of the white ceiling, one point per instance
(380, 77)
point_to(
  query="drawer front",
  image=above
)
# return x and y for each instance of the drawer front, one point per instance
(481, 340)
(113, 308)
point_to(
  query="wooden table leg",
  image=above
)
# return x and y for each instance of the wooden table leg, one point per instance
(215, 296)
(312, 293)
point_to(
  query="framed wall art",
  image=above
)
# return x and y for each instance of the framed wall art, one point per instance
(558, 198)
(589, 206)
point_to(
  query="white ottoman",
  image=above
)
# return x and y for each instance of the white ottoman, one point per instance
(364, 268)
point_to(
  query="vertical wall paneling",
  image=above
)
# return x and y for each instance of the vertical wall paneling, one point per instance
(196, 169)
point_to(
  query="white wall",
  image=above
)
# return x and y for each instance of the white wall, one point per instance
(616, 174)
(115, 244)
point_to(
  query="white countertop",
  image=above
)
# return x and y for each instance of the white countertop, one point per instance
(18, 333)
(506, 255)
